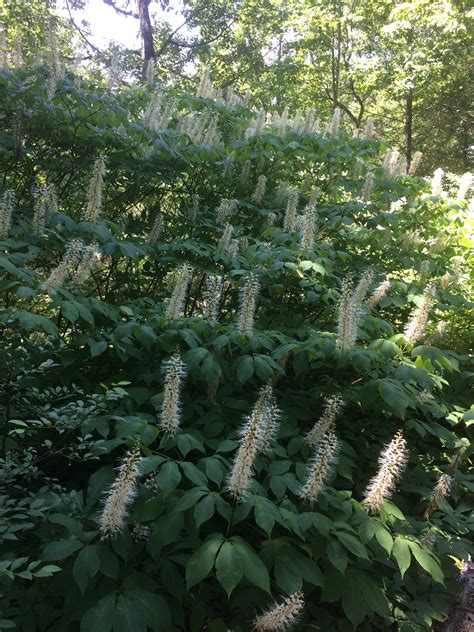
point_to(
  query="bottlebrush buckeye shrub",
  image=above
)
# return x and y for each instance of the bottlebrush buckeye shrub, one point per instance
(190, 292)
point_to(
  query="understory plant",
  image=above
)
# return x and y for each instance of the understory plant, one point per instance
(234, 371)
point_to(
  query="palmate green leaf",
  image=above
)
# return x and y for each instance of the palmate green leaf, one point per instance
(86, 565)
(202, 562)
(60, 550)
(194, 474)
(205, 509)
(337, 555)
(382, 535)
(287, 574)
(30, 321)
(229, 566)
(264, 512)
(169, 476)
(355, 608)
(244, 368)
(254, 569)
(374, 596)
(401, 553)
(426, 561)
(352, 544)
(100, 617)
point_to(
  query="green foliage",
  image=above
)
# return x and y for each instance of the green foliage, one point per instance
(82, 375)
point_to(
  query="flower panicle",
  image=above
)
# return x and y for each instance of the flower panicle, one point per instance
(89, 260)
(392, 461)
(226, 237)
(94, 199)
(175, 372)
(156, 229)
(70, 259)
(368, 187)
(120, 496)
(178, 297)
(332, 409)
(320, 467)
(361, 289)
(260, 189)
(308, 122)
(281, 615)
(416, 326)
(378, 294)
(335, 122)
(415, 163)
(212, 298)
(464, 186)
(347, 318)
(225, 209)
(389, 162)
(248, 305)
(256, 434)
(7, 206)
(307, 235)
(291, 211)
(205, 86)
(437, 183)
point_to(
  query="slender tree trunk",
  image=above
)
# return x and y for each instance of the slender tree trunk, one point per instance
(146, 31)
(409, 125)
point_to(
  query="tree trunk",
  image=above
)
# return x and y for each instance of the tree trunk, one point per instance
(409, 125)
(146, 31)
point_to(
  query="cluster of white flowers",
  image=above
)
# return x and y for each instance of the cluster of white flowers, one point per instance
(170, 416)
(390, 161)
(44, 201)
(205, 87)
(89, 259)
(282, 615)
(256, 125)
(156, 229)
(416, 326)
(350, 305)
(248, 305)
(308, 229)
(392, 462)
(160, 112)
(120, 496)
(259, 192)
(94, 198)
(71, 259)
(257, 433)
(178, 297)
(332, 408)
(54, 62)
(226, 209)
(324, 457)
(437, 183)
(289, 221)
(464, 186)
(6, 210)
(225, 239)
(212, 298)
(378, 294)
(368, 187)
(440, 491)
(333, 126)
(415, 163)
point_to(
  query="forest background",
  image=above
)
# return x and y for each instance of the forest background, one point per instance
(407, 64)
